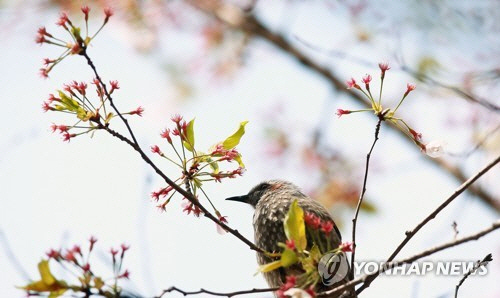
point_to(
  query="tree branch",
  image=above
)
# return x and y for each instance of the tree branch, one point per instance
(478, 265)
(111, 102)
(182, 191)
(423, 77)
(387, 265)
(228, 294)
(456, 193)
(235, 18)
(135, 145)
(361, 196)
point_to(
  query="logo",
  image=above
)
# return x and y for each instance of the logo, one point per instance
(333, 267)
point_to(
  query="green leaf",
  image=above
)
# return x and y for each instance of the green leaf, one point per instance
(315, 253)
(202, 157)
(108, 117)
(82, 115)
(76, 33)
(197, 182)
(57, 293)
(239, 161)
(214, 166)
(45, 274)
(368, 207)
(98, 282)
(288, 258)
(270, 266)
(60, 107)
(294, 226)
(47, 283)
(189, 142)
(234, 139)
(69, 103)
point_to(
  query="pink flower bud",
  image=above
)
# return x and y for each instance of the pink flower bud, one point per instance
(434, 149)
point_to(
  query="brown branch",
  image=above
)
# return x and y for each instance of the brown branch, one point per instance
(456, 193)
(361, 196)
(384, 267)
(204, 291)
(425, 78)
(478, 265)
(111, 102)
(135, 145)
(235, 18)
(388, 265)
(182, 191)
(417, 75)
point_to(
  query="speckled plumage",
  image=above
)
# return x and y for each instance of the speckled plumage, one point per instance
(272, 200)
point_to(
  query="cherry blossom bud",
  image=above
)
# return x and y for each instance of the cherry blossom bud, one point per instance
(383, 68)
(341, 112)
(434, 149)
(367, 79)
(108, 12)
(346, 246)
(409, 88)
(297, 293)
(352, 84)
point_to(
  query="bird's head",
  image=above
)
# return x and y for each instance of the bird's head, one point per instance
(262, 189)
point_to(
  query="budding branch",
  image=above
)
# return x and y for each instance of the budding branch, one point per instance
(363, 191)
(385, 266)
(135, 145)
(204, 291)
(237, 19)
(451, 198)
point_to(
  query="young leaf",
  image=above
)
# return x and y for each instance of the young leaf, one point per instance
(189, 142)
(294, 226)
(239, 161)
(234, 139)
(213, 165)
(270, 266)
(45, 274)
(108, 118)
(98, 282)
(315, 253)
(47, 283)
(68, 103)
(202, 157)
(288, 258)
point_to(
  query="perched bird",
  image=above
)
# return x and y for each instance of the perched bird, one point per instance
(272, 200)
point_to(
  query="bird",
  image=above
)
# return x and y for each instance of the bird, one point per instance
(272, 200)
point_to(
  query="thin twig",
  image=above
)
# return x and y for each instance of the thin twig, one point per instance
(111, 102)
(135, 145)
(388, 265)
(361, 196)
(182, 191)
(423, 77)
(237, 19)
(418, 75)
(410, 234)
(478, 265)
(228, 294)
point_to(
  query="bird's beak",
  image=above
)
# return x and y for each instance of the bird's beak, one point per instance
(243, 199)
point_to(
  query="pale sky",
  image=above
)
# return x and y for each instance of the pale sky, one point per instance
(56, 194)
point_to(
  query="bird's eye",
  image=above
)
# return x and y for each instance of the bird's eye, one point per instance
(263, 186)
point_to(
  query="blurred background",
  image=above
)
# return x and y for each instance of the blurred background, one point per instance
(281, 65)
